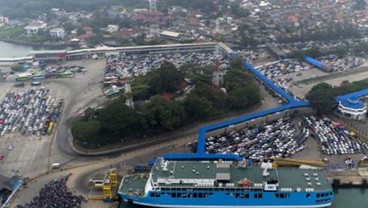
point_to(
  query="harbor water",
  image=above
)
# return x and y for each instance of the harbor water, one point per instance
(344, 198)
(9, 50)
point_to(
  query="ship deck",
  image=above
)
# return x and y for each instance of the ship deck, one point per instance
(288, 177)
(292, 178)
(134, 184)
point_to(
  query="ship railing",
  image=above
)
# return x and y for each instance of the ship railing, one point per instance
(191, 188)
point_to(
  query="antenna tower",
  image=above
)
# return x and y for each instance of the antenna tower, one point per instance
(154, 26)
(128, 94)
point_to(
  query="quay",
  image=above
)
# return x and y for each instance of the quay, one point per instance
(349, 178)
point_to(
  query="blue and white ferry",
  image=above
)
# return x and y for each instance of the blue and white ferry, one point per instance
(224, 184)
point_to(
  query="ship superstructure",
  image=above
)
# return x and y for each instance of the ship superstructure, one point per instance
(217, 183)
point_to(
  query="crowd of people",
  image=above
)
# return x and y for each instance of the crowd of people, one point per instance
(55, 194)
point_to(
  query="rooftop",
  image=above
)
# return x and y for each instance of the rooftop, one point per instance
(352, 100)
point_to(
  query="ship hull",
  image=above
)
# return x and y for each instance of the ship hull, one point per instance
(221, 200)
(230, 206)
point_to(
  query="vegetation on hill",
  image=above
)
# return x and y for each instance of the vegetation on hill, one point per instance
(115, 123)
(34, 8)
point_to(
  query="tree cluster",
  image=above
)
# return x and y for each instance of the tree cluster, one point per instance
(117, 123)
(323, 95)
(332, 31)
(316, 52)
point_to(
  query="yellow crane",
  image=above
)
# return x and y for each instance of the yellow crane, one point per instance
(294, 162)
(109, 183)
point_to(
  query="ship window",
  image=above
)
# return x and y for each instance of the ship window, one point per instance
(237, 195)
(194, 195)
(323, 195)
(258, 196)
(173, 195)
(308, 196)
(200, 195)
(158, 194)
(277, 195)
(179, 195)
(152, 194)
(246, 196)
(286, 196)
(318, 195)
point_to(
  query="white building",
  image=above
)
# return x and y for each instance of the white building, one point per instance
(34, 27)
(3, 21)
(58, 33)
(112, 28)
(351, 107)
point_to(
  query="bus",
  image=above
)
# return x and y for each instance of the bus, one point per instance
(23, 77)
(67, 75)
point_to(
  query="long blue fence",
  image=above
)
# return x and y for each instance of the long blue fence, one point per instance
(201, 148)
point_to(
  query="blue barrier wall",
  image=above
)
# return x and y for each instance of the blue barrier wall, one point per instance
(313, 62)
(317, 64)
(292, 103)
(201, 148)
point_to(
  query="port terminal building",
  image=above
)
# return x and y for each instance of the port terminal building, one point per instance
(353, 105)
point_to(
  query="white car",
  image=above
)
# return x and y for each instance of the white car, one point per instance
(10, 147)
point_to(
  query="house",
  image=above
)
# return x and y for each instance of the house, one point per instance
(170, 34)
(58, 33)
(34, 27)
(112, 28)
(87, 29)
(3, 21)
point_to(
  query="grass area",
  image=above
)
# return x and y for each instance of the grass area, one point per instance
(331, 76)
(11, 32)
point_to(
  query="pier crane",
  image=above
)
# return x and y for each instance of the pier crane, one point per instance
(277, 162)
(104, 186)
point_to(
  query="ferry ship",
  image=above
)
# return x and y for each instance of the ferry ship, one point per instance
(222, 184)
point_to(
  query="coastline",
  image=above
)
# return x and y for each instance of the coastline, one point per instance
(37, 44)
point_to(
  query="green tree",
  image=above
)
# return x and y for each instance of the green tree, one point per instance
(197, 107)
(360, 4)
(322, 97)
(68, 26)
(118, 120)
(164, 114)
(17, 68)
(166, 78)
(213, 95)
(86, 132)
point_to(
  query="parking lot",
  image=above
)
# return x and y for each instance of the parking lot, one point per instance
(31, 112)
(28, 154)
(32, 155)
(280, 138)
(307, 137)
(333, 137)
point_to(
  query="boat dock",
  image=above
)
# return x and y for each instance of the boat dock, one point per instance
(351, 178)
